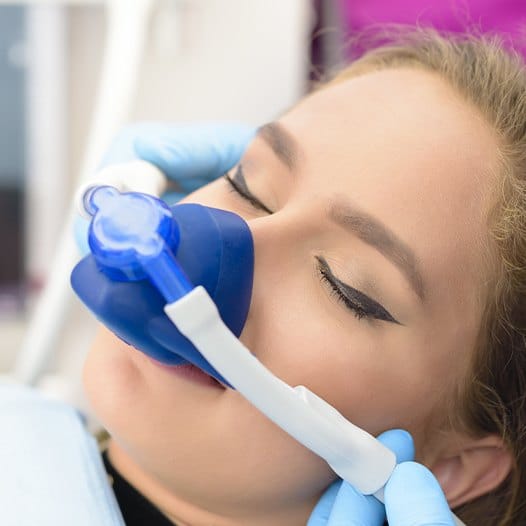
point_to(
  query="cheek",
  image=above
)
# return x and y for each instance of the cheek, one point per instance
(369, 372)
(113, 382)
(180, 433)
(214, 194)
(106, 371)
(127, 392)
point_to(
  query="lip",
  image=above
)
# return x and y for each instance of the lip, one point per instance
(189, 372)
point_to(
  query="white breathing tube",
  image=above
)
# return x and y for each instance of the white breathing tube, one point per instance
(353, 454)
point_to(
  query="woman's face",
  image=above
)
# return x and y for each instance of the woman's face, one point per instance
(368, 214)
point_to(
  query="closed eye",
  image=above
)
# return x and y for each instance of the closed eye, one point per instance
(359, 303)
(238, 184)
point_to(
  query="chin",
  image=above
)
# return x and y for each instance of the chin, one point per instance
(131, 396)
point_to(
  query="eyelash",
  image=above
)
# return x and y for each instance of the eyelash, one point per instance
(358, 311)
(326, 276)
(234, 186)
(361, 308)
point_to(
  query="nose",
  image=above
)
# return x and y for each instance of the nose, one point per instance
(281, 247)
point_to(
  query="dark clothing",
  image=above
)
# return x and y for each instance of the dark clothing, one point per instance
(136, 509)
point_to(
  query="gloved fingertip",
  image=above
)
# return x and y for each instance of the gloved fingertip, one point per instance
(246, 132)
(400, 442)
(322, 511)
(121, 149)
(353, 508)
(146, 145)
(199, 149)
(154, 151)
(415, 475)
(414, 496)
(179, 160)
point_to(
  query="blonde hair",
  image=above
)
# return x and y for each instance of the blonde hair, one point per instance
(492, 399)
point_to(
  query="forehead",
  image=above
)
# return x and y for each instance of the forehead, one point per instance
(407, 115)
(404, 146)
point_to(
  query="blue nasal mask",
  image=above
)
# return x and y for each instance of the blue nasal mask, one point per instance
(146, 254)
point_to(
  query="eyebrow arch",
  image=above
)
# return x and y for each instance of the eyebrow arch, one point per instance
(281, 142)
(376, 234)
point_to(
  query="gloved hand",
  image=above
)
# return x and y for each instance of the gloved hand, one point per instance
(191, 155)
(413, 496)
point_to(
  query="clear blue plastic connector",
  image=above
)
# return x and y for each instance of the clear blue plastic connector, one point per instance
(133, 237)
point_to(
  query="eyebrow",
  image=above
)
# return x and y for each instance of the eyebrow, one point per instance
(366, 227)
(281, 142)
(374, 233)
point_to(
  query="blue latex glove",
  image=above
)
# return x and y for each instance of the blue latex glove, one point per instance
(413, 496)
(192, 155)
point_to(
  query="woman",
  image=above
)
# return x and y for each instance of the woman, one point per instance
(388, 217)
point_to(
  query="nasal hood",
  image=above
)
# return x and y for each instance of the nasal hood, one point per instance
(213, 247)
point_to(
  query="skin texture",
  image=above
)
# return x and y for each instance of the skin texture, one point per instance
(401, 146)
